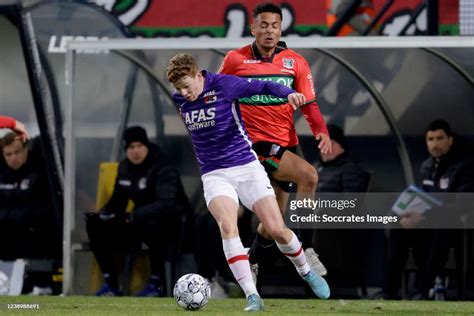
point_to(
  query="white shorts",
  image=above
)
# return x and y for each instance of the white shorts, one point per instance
(249, 183)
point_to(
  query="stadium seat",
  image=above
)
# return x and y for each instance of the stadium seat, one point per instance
(105, 186)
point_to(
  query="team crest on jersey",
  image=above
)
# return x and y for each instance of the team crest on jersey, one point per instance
(25, 184)
(443, 183)
(210, 97)
(288, 63)
(142, 183)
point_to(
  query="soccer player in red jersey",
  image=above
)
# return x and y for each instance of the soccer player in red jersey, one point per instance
(16, 126)
(269, 120)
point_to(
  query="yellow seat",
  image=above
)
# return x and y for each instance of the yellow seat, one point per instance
(105, 186)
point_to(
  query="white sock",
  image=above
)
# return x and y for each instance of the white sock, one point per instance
(295, 253)
(238, 261)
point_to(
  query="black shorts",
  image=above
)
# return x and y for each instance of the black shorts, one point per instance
(269, 155)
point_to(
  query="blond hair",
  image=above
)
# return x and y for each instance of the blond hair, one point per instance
(180, 66)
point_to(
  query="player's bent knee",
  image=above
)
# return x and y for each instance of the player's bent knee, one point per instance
(228, 228)
(309, 179)
(277, 233)
(262, 231)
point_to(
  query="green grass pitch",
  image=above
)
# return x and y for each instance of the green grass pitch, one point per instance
(88, 305)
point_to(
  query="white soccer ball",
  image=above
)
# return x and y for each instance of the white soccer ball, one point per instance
(192, 291)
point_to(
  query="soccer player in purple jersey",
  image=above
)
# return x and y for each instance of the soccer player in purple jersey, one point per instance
(230, 169)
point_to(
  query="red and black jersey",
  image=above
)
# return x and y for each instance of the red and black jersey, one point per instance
(268, 118)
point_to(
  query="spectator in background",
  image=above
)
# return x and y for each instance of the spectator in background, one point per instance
(14, 125)
(446, 170)
(339, 172)
(155, 187)
(28, 224)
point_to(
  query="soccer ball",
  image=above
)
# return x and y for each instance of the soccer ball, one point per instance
(192, 291)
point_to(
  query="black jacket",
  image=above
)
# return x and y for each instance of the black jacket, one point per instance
(152, 185)
(28, 186)
(452, 173)
(342, 174)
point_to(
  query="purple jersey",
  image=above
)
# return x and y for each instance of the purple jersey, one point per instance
(214, 120)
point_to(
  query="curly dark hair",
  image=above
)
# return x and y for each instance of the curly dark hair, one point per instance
(267, 7)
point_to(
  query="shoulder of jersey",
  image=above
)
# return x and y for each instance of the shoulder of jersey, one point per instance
(239, 53)
(243, 50)
(178, 98)
(291, 52)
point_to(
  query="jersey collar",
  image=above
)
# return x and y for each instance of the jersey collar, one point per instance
(281, 46)
(207, 78)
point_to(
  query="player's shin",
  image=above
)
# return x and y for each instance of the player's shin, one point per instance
(295, 253)
(259, 244)
(238, 262)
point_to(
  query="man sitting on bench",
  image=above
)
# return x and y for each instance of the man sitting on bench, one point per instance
(155, 188)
